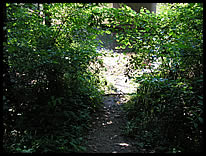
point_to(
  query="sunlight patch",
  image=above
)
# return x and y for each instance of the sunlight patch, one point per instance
(123, 144)
(110, 122)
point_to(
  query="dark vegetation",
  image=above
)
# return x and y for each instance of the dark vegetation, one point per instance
(167, 111)
(51, 71)
(51, 92)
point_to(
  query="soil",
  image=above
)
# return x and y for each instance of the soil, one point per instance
(106, 134)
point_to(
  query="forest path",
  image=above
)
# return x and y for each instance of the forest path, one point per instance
(106, 133)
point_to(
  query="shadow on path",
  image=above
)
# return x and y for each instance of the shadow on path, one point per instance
(106, 134)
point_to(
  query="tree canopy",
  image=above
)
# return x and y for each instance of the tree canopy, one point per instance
(51, 81)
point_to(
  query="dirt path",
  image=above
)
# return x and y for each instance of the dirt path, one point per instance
(106, 134)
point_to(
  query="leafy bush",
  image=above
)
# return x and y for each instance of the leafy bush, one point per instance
(167, 108)
(51, 85)
(49, 49)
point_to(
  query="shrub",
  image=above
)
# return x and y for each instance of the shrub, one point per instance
(52, 91)
(168, 103)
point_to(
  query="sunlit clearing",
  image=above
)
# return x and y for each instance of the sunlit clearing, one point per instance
(114, 73)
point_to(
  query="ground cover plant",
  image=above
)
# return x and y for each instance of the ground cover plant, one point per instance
(167, 110)
(52, 86)
(49, 91)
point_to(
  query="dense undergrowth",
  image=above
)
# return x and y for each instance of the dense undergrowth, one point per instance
(166, 114)
(49, 91)
(51, 74)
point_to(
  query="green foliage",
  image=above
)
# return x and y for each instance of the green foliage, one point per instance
(53, 91)
(170, 106)
(52, 84)
(167, 109)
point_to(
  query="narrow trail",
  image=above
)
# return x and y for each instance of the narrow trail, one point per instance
(106, 134)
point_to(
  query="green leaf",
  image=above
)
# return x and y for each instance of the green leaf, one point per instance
(142, 10)
(108, 32)
(195, 125)
(147, 11)
(11, 49)
(101, 42)
(201, 120)
(82, 148)
(200, 102)
(171, 33)
(200, 97)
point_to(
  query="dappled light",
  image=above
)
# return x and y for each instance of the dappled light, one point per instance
(123, 144)
(114, 73)
(107, 128)
(102, 77)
